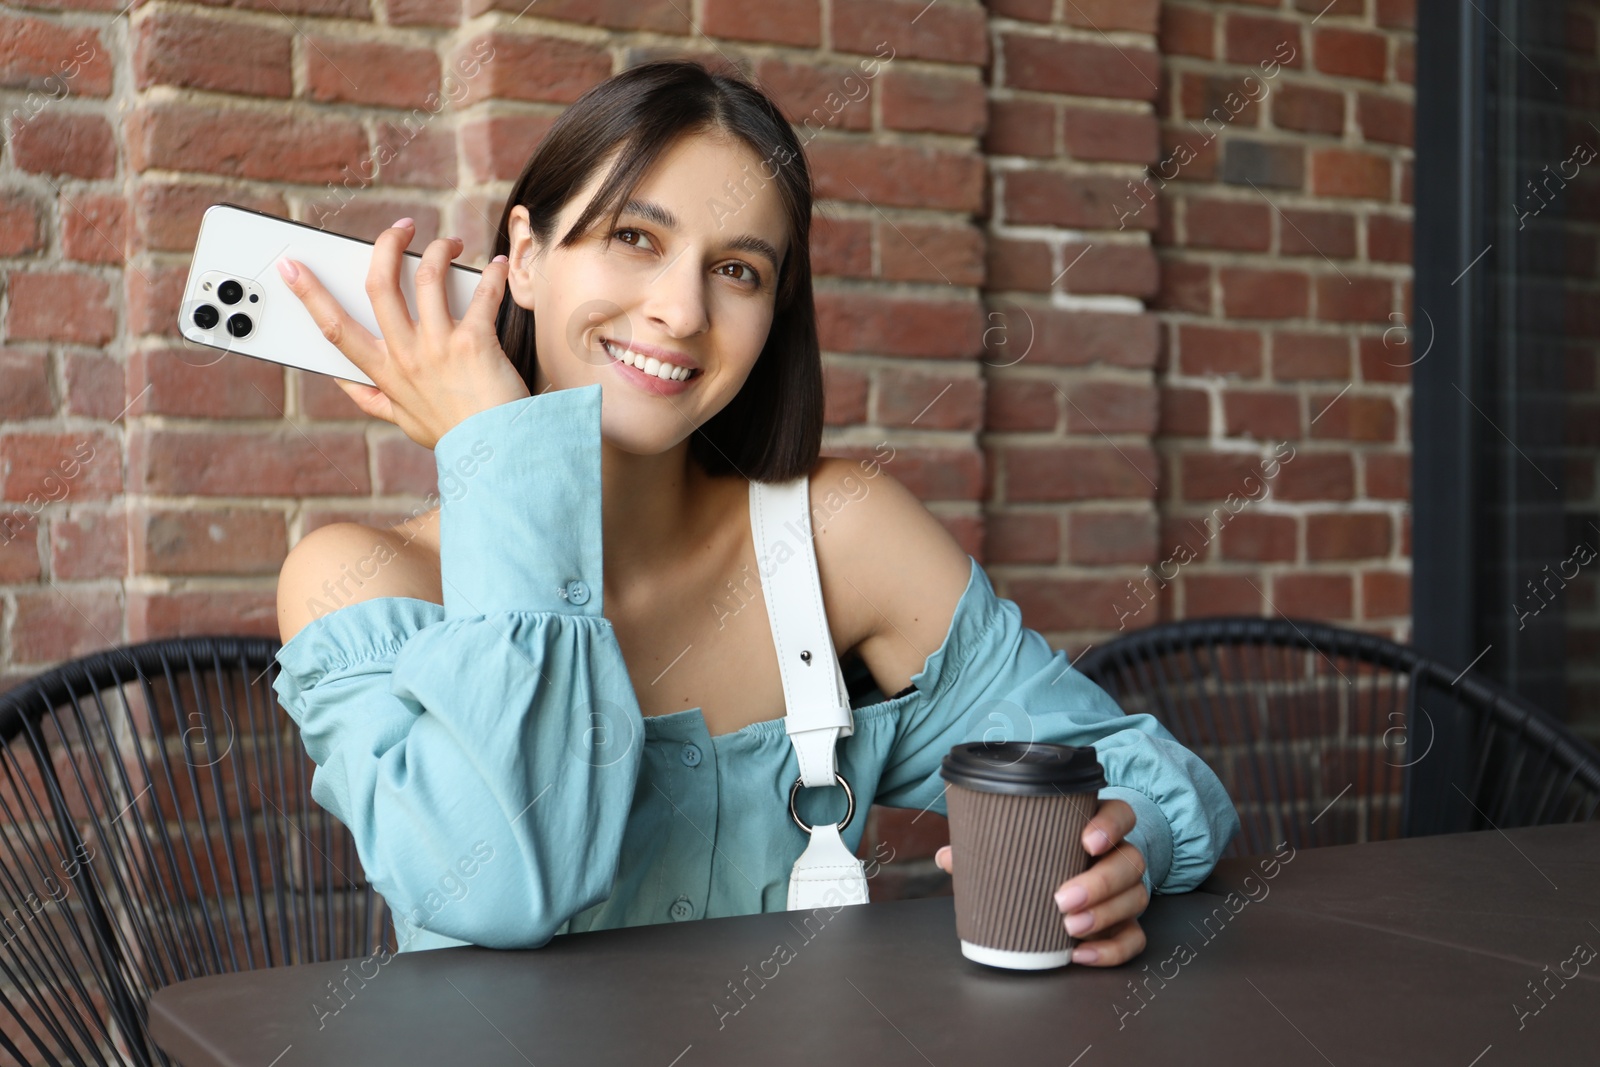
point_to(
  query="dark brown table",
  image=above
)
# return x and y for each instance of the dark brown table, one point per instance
(1302, 975)
(1528, 895)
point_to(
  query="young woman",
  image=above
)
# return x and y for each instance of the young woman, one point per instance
(555, 703)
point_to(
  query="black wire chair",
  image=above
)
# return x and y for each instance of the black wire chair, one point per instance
(1328, 736)
(156, 824)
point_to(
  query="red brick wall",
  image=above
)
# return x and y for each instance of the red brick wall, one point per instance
(1285, 245)
(1068, 374)
(1071, 350)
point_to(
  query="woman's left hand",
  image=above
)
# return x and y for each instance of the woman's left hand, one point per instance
(1101, 906)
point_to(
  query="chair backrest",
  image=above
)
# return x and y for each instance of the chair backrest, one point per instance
(1327, 736)
(156, 824)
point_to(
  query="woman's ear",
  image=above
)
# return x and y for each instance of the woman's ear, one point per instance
(523, 256)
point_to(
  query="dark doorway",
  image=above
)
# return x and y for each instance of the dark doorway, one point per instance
(1505, 334)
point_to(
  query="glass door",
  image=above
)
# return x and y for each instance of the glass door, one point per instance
(1505, 335)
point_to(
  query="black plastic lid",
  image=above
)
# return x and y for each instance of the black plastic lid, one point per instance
(1023, 768)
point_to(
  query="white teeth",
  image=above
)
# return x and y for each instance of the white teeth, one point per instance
(649, 365)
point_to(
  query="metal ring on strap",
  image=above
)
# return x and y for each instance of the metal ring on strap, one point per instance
(849, 814)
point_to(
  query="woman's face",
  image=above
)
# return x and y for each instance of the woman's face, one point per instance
(685, 273)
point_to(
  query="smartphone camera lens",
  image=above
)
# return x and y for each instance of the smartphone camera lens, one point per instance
(230, 292)
(206, 316)
(239, 325)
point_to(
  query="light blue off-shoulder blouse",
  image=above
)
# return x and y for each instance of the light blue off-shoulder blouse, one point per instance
(491, 761)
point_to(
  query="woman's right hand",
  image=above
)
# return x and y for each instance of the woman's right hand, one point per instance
(430, 375)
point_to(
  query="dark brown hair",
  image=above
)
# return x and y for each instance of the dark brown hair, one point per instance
(772, 428)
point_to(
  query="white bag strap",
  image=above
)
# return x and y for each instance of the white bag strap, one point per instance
(814, 691)
(816, 699)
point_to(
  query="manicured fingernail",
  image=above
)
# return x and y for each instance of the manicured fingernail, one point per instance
(404, 224)
(1073, 897)
(289, 271)
(498, 259)
(1098, 842)
(1084, 955)
(1079, 922)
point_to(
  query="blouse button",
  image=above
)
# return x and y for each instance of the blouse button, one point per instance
(577, 592)
(681, 909)
(691, 754)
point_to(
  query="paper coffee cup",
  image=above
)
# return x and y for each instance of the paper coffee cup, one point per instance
(1017, 810)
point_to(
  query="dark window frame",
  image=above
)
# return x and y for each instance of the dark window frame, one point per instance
(1450, 226)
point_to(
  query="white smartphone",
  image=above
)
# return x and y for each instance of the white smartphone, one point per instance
(235, 300)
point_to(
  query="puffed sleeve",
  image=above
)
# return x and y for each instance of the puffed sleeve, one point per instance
(995, 679)
(498, 733)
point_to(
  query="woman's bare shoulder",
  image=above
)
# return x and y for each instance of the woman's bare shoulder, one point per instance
(883, 554)
(345, 563)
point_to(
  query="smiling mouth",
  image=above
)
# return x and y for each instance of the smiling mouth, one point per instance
(674, 373)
